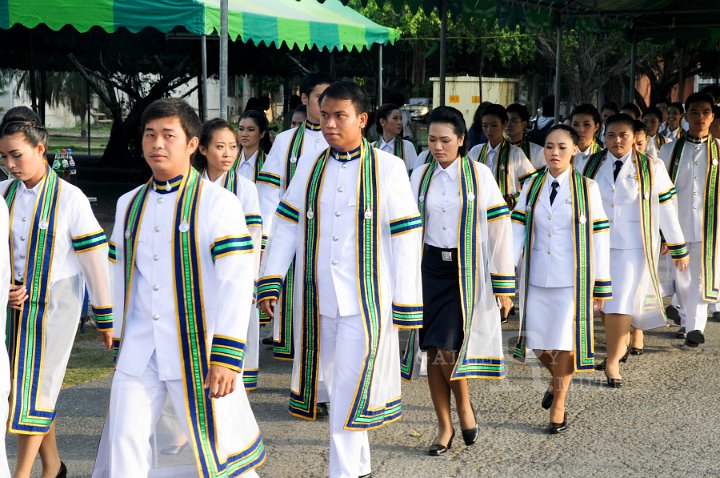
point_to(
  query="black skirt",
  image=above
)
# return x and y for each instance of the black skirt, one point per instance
(442, 316)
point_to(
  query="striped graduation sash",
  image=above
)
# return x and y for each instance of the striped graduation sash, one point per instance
(26, 337)
(502, 166)
(584, 266)
(302, 403)
(195, 349)
(710, 213)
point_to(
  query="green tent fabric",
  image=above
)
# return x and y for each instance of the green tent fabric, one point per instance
(302, 24)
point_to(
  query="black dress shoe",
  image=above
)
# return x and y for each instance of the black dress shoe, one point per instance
(369, 475)
(437, 449)
(672, 313)
(694, 338)
(63, 471)
(680, 334)
(613, 382)
(321, 410)
(267, 341)
(716, 316)
(547, 400)
(555, 428)
(636, 351)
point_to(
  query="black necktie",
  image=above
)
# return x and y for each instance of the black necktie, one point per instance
(553, 193)
(618, 166)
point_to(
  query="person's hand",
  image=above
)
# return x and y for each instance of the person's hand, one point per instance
(106, 338)
(682, 264)
(598, 304)
(16, 297)
(505, 304)
(220, 381)
(664, 250)
(268, 307)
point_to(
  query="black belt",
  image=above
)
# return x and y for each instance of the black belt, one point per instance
(447, 255)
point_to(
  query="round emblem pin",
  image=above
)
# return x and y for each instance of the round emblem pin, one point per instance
(368, 214)
(184, 227)
(421, 198)
(471, 197)
(646, 196)
(310, 214)
(715, 162)
(43, 224)
(293, 159)
(127, 234)
(582, 219)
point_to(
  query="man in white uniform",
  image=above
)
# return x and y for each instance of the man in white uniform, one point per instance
(692, 161)
(176, 262)
(350, 220)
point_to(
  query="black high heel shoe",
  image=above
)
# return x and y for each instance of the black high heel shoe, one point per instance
(636, 351)
(601, 365)
(555, 428)
(437, 449)
(470, 436)
(63, 471)
(504, 320)
(547, 400)
(613, 382)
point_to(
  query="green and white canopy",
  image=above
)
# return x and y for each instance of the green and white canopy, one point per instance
(293, 23)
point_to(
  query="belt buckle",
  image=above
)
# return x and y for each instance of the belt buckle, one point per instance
(447, 256)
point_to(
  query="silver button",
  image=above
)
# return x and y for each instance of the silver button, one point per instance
(344, 166)
(156, 257)
(22, 256)
(694, 193)
(444, 210)
(156, 287)
(335, 238)
(612, 205)
(611, 221)
(340, 189)
(549, 251)
(338, 214)
(694, 177)
(22, 238)
(694, 207)
(549, 234)
(161, 200)
(157, 228)
(24, 219)
(549, 218)
(156, 317)
(334, 262)
(444, 228)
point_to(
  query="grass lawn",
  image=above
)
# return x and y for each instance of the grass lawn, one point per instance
(88, 359)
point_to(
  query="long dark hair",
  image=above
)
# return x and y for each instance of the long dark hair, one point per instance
(382, 113)
(453, 117)
(261, 122)
(206, 133)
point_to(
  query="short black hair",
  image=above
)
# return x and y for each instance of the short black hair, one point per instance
(311, 80)
(22, 119)
(208, 129)
(301, 109)
(548, 106)
(586, 109)
(382, 113)
(662, 101)
(177, 108)
(496, 110)
(698, 98)
(348, 90)
(453, 117)
(563, 127)
(634, 108)
(653, 111)
(639, 126)
(263, 125)
(678, 106)
(520, 110)
(621, 118)
(610, 105)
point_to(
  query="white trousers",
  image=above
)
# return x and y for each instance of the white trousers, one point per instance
(136, 404)
(690, 291)
(342, 352)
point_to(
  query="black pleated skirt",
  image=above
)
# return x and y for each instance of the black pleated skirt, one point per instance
(442, 318)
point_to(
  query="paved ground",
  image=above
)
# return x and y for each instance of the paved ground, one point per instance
(663, 422)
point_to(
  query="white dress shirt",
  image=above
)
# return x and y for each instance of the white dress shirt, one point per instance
(246, 166)
(442, 208)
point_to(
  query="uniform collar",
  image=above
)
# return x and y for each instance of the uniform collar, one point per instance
(611, 157)
(249, 161)
(696, 140)
(346, 156)
(312, 126)
(217, 181)
(384, 143)
(560, 179)
(451, 171)
(167, 187)
(496, 148)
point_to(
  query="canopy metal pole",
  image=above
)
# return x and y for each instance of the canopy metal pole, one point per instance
(443, 48)
(681, 76)
(89, 110)
(633, 52)
(380, 76)
(203, 79)
(223, 58)
(558, 51)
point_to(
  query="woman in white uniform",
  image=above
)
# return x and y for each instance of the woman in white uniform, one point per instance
(467, 264)
(57, 249)
(254, 139)
(389, 124)
(217, 160)
(560, 225)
